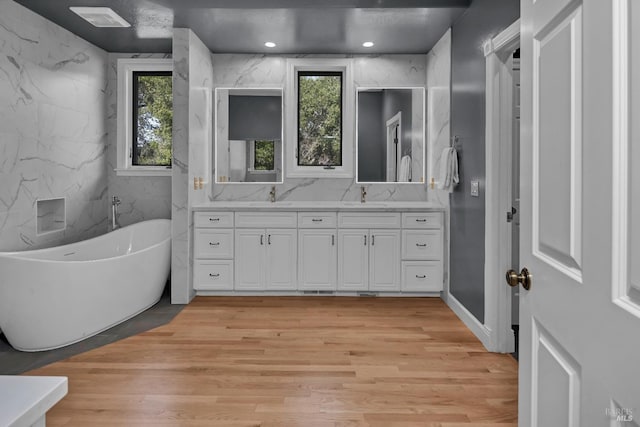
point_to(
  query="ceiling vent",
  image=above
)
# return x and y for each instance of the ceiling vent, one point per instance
(100, 16)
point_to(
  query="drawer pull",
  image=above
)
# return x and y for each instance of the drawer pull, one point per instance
(420, 276)
(214, 219)
(214, 243)
(421, 245)
(421, 220)
(214, 275)
(316, 220)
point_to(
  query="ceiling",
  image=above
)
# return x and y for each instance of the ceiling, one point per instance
(243, 26)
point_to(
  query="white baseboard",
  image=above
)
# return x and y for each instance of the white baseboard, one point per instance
(479, 330)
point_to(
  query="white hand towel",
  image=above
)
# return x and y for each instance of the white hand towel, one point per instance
(448, 169)
(405, 169)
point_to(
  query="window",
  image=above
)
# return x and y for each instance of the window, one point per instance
(145, 116)
(263, 155)
(319, 118)
(153, 118)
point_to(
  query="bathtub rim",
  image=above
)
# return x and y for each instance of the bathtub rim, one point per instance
(23, 255)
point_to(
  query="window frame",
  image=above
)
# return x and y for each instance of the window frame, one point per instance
(125, 114)
(300, 74)
(319, 65)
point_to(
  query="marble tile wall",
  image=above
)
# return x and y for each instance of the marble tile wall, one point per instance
(438, 111)
(192, 76)
(233, 70)
(142, 197)
(52, 129)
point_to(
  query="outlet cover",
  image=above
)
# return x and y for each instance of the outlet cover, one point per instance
(475, 188)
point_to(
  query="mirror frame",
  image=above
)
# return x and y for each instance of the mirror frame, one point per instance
(216, 90)
(424, 134)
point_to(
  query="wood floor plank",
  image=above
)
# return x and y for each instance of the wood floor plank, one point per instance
(293, 361)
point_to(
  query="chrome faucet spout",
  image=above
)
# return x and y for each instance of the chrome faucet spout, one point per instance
(115, 202)
(363, 194)
(272, 194)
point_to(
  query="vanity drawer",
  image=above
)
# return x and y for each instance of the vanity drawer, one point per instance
(213, 243)
(266, 219)
(213, 275)
(422, 245)
(422, 220)
(213, 219)
(369, 219)
(421, 276)
(317, 220)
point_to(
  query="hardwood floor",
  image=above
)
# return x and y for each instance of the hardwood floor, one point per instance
(293, 362)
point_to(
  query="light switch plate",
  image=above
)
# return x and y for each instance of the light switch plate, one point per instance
(475, 188)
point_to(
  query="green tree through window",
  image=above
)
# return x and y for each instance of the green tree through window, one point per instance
(153, 117)
(264, 155)
(319, 118)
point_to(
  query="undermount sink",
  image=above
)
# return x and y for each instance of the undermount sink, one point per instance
(365, 204)
(268, 204)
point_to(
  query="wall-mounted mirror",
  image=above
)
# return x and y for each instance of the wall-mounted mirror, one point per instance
(248, 135)
(390, 135)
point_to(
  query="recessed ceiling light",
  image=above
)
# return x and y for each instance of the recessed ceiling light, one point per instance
(100, 16)
(368, 44)
(270, 44)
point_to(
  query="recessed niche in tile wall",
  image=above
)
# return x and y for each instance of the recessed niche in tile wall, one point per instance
(51, 215)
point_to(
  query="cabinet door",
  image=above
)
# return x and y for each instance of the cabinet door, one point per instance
(282, 257)
(384, 260)
(317, 259)
(353, 260)
(249, 259)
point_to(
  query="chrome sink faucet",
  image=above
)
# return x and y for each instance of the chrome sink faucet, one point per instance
(272, 194)
(363, 194)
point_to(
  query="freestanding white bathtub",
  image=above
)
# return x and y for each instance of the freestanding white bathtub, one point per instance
(50, 298)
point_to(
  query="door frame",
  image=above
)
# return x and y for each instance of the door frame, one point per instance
(393, 149)
(498, 186)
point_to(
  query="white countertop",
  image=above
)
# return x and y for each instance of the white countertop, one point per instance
(25, 400)
(318, 206)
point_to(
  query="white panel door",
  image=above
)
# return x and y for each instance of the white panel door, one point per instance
(250, 259)
(317, 259)
(282, 257)
(384, 260)
(353, 260)
(580, 321)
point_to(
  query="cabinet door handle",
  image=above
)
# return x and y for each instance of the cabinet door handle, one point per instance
(269, 239)
(214, 243)
(421, 276)
(262, 239)
(316, 220)
(365, 240)
(333, 240)
(373, 240)
(214, 275)
(214, 219)
(421, 245)
(421, 220)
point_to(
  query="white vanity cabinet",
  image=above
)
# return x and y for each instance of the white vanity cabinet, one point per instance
(213, 251)
(422, 252)
(296, 247)
(266, 251)
(317, 251)
(369, 256)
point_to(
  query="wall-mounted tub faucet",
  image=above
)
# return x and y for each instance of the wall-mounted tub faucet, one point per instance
(363, 194)
(115, 202)
(272, 194)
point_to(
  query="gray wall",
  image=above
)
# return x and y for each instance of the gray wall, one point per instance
(52, 130)
(371, 143)
(255, 117)
(483, 20)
